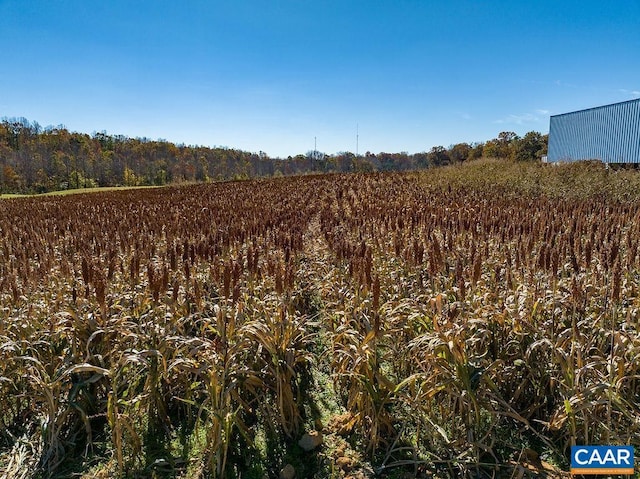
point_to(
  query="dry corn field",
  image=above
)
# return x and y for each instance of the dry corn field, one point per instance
(463, 322)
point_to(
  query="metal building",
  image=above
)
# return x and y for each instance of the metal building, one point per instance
(609, 133)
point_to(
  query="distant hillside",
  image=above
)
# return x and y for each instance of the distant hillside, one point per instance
(34, 159)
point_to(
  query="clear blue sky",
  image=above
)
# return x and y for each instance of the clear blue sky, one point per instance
(272, 75)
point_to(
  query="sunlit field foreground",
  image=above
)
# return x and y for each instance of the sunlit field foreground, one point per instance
(468, 321)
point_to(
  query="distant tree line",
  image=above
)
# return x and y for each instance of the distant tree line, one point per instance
(34, 159)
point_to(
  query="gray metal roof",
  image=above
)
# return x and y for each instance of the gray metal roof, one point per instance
(609, 133)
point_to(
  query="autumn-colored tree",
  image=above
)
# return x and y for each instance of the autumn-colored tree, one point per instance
(43, 159)
(476, 152)
(438, 156)
(500, 147)
(11, 178)
(130, 178)
(460, 152)
(530, 147)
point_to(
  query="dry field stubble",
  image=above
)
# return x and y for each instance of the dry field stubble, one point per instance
(463, 321)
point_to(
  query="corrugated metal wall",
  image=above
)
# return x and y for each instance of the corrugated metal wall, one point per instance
(608, 133)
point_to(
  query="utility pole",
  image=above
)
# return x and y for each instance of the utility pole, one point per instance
(357, 138)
